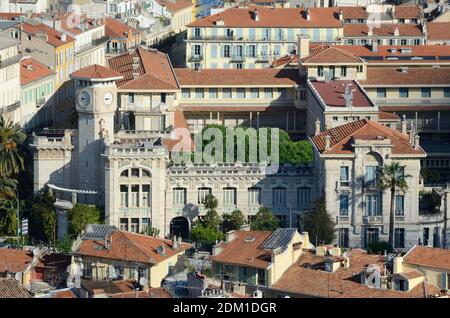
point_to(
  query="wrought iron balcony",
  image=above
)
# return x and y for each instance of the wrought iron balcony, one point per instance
(196, 58)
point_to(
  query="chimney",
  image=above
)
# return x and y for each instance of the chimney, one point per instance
(174, 242)
(29, 67)
(179, 241)
(230, 236)
(216, 250)
(341, 16)
(305, 240)
(398, 265)
(57, 25)
(302, 45)
(255, 15)
(317, 127)
(370, 31)
(416, 142)
(63, 37)
(327, 142)
(396, 31)
(404, 125)
(308, 14)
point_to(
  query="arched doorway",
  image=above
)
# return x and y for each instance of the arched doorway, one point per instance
(179, 226)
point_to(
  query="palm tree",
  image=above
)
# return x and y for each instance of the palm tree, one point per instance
(392, 177)
(11, 148)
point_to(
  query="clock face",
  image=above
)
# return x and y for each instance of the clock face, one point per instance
(108, 99)
(84, 98)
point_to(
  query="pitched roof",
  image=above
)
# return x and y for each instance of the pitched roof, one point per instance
(383, 30)
(387, 116)
(10, 16)
(268, 17)
(88, 24)
(129, 247)
(63, 294)
(354, 13)
(306, 277)
(245, 250)
(235, 77)
(331, 54)
(96, 72)
(54, 37)
(407, 12)
(341, 138)
(116, 29)
(11, 288)
(14, 260)
(175, 5)
(333, 91)
(438, 30)
(32, 70)
(409, 76)
(428, 256)
(154, 70)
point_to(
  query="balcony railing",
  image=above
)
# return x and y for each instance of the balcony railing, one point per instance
(342, 219)
(262, 58)
(213, 38)
(372, 219)
(40, 102)
(196, 58)
(94, 43)
(10, 61)
(237, 58)
(9, 108)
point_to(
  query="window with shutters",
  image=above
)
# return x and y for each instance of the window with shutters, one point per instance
(400, 205)
(202, 193)
(254, 196)
(179, 196)
(279, 196)
(229, 196)
(303, 197)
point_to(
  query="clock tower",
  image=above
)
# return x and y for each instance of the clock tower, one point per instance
(96, 104)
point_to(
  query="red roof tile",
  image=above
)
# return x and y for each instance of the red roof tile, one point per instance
(31, 70)
(354, 13)
(407, 12)
(333, 54)
(409, 76)
(13, 260)
(362, 30)
(95, 72)
(341, 138)
(268, 17)
(11, 288)
(116, 29)
(10, 16)
(307, 278)
(245, 250)
(438, 31)
(154, 70)
(234, 77)
(429, 257)
(333, 91)
(54, 37)
(175, 5)
(130, 247)
(387, 116)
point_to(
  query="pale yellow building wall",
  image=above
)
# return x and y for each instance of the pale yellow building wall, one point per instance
(159, 271)
(433, 275)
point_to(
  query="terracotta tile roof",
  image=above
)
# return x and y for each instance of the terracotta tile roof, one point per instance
(387, 116)
(438, 30)
(235, 77)
(95, 72)
(407, 12)
(116, 29)
(411, 274)
(14, 261)
(428, 256)
(11, 288)
(354, 13)
(108, 287)
(175, 5)
(307, 278)
(64, 294)
(268, 17)
(54, 37)
(130, 247)
(133, 294)
(154, 70)
(89, 24)
(361, 30)
(342, 138)
(10, 16)
(31, 70)
(287, 59)
(331, 54)
(245, 250)
(410, 76)
(333, 91)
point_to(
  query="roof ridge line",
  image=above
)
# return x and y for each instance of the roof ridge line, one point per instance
(138, 248)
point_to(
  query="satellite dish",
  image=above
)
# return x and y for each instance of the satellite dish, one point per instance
(18, 276)
(143, 281)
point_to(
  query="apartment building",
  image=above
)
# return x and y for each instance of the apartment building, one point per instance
(253, 260)
(37, 98)
(235, 38)
(250, 97)
(121, 37)
(125, 255)
(9, 78)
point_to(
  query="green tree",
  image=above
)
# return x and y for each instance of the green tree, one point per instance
(81, 215)
(212, 218)
(233, 221)
(153, 231)
(42, 217)
(12, 150)
(430, 175)
(319, 224)
(264, 220)
(206, 236)
(65, 245)
(392, 178)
